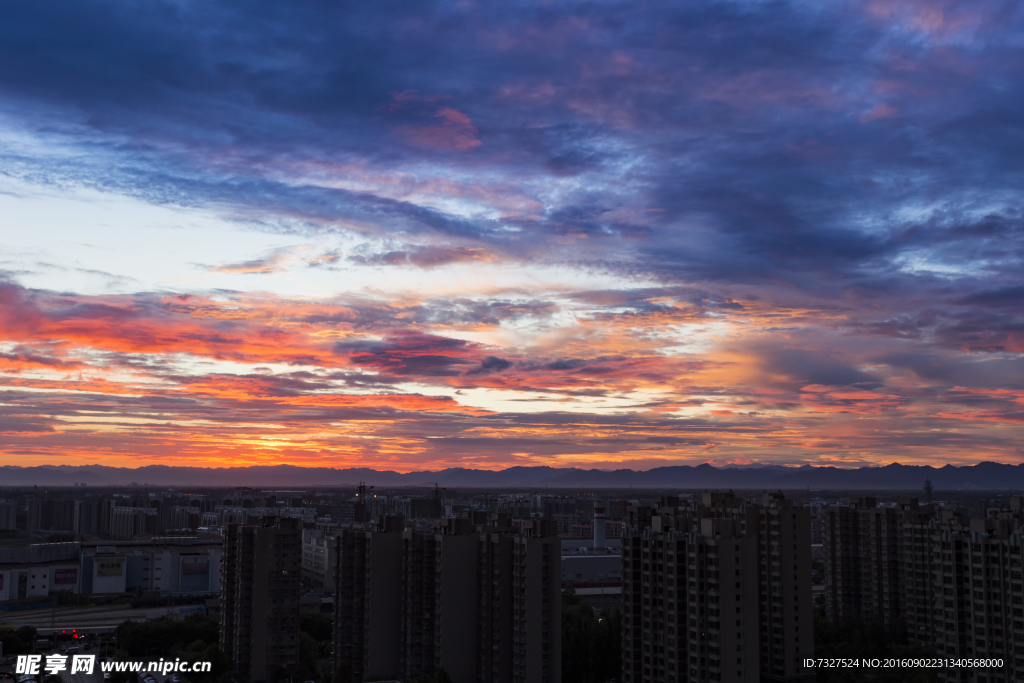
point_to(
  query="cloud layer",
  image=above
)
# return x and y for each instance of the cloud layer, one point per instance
(561, 234)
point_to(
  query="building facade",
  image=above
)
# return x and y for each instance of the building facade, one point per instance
(475, 597)
(716, 590)
(39, 571)
(260, 598)
(178, 565)
(318, 554)
(8, 514)
(957, 580)
(51, 515)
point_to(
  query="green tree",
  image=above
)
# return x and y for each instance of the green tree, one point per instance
(18, 642)
(279, 674)
(570, 599)
(318, 626)
(858, 640)
(66, 597)
(579, 641)
(343, 674)
(155, 637)
(608, 658)
(308, 664)
(591, 646)
(200, 651)
(121, 676)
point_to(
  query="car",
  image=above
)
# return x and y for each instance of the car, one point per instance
(175, 678)
(106, 674)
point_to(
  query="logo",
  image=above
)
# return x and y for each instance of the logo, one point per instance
(113, 566)
(195, 567)
(65, 576)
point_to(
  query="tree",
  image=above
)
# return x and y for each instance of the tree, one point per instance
(343, 674)
(121, 676)
(591, 646)
(155, 637)
(858, 640)
(199, 651)
(18, 642)
(308, 668)
(608, 658)
(579, 639)
(66, 597)
(280, 674)
(319, 626)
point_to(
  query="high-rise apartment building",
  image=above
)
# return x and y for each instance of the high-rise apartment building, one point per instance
(8, 514)
(916, 557)
(786, 612)
(128, 522)
(318, 555)
(51, 515)
(367, 600)
(842, 566)
(260, 598)
(863, 570)
(716, 590)
(92, 517)
(475, 597)
(958, 580)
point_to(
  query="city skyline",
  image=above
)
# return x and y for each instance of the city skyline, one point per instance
(419, 236)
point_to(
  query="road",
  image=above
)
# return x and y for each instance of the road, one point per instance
(95, 677)
(82, 618)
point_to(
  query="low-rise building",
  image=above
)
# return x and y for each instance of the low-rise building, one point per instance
(39, 571)
(167, 565)
(164, 565)
(594, 574)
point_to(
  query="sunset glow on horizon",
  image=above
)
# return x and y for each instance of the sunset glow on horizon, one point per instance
(428, 235)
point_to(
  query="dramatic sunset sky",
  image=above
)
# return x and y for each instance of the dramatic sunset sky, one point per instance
(431, 234)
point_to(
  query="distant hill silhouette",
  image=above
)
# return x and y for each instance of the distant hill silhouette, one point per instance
(983, 476)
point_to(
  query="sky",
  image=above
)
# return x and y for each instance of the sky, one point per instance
(417, 235)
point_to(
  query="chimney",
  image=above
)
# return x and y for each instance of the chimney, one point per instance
(599, 527)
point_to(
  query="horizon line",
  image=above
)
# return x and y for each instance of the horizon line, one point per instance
(570, 468)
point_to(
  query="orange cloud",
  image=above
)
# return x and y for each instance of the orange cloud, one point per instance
(252, 378)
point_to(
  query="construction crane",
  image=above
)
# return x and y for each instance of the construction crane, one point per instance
(360, 511)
